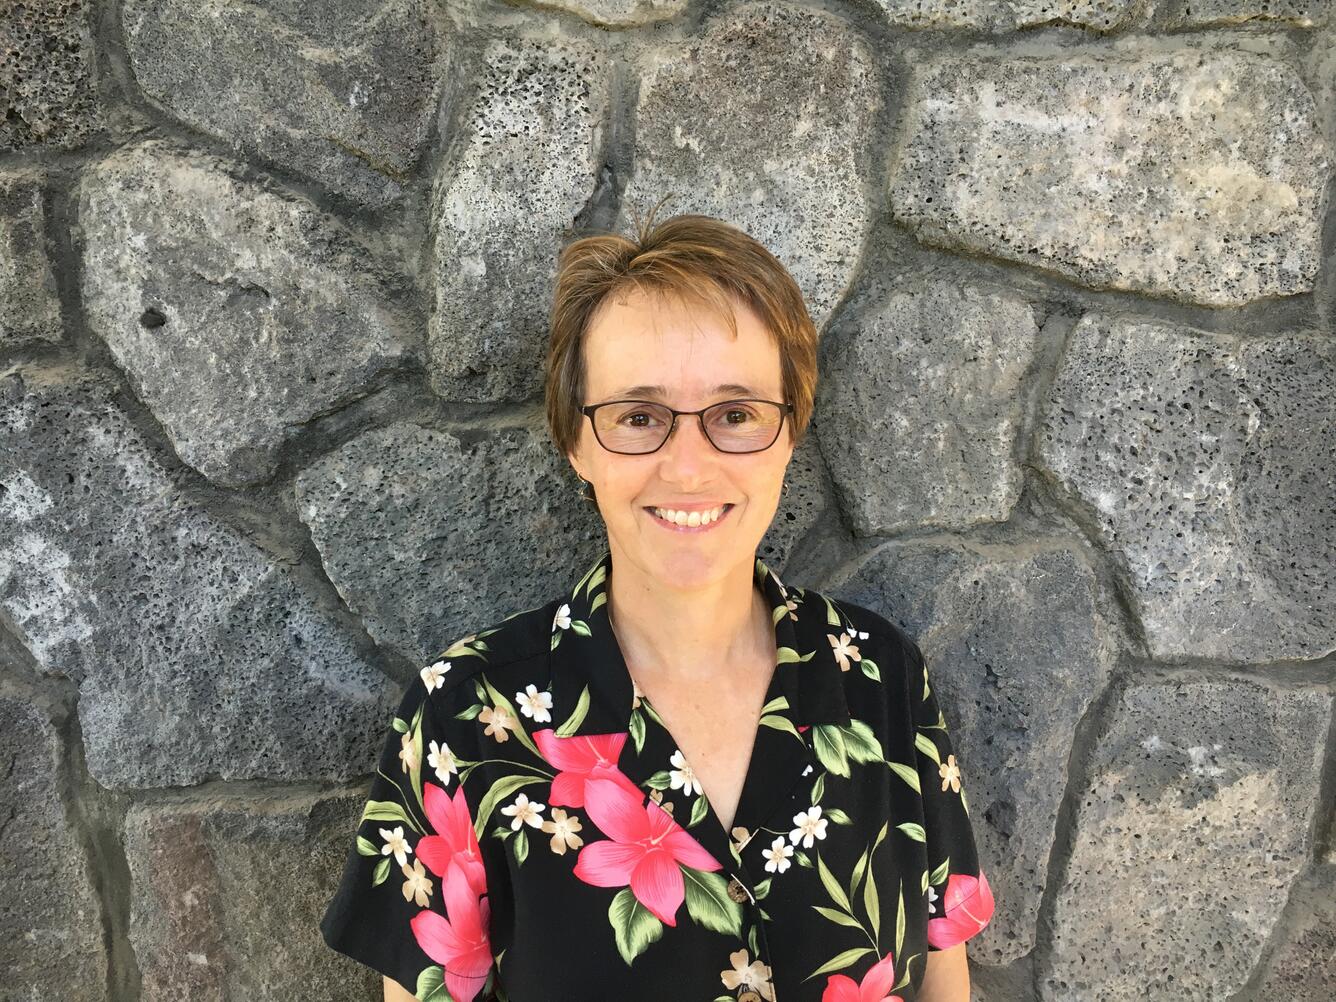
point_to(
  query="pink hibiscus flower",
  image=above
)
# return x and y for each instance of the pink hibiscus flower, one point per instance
(579, 759)
(875, 987)
(457, 941)
(454, 841)
(967, 905)
(643, 851)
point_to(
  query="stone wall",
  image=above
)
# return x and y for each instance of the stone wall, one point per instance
(272, 293)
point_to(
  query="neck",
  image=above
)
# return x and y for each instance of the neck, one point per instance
(687, 636)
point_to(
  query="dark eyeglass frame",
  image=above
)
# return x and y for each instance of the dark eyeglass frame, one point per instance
(786, 409)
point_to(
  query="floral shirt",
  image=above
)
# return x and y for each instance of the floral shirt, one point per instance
(534, 833)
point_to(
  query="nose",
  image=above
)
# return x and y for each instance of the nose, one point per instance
(687, 440)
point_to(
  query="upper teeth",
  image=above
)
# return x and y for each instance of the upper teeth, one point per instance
(690, 517)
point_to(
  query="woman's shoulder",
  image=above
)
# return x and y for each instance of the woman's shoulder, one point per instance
(514, 649)
(833, 615)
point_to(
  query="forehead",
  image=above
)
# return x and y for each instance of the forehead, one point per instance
(637, 341)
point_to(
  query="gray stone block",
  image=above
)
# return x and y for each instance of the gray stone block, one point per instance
(239, 312)
(1210, 13)
(227, 895)
(807, 502)
(46, 75)
(29, 307)
(764, 121)
(196, 653)
(1008, 15)
(341, 91)
(1017, 649)
(51, 943)
(1207, 463)
(1302, 966)
(428, 537)
(614, 13)
(520, 168)
(1194, 822)
(919, 406)
(1043, 161)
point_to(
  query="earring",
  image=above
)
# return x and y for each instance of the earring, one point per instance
(785, 488)
(584, 491)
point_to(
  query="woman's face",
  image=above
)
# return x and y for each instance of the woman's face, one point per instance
(638, 341)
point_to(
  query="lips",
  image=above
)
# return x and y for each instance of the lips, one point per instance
(689, 528)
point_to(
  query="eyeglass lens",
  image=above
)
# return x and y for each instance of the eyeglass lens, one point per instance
(733, 426)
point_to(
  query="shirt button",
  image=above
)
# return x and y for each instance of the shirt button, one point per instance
(737, 890)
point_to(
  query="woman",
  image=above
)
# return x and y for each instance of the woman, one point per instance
(683, 780)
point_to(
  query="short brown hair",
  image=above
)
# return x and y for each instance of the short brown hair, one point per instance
(691, 258)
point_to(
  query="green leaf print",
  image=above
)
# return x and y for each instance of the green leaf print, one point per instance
(787, 655)
(940, 874)
(577, 716)
(780, 723)
(415, 773)
(819, 788)
(832, 885)
(832, 617)
(914, 831)
(838, 817)
(634, 926)
(870, 669)
(859, 867)
(381, 871)
(708, 902)
(698, 810)
(661, 780)
(399, 725)
(580, 626)
(900, 922)
(861, 743)
(637, 728)
(838, 917)
(388, 810)
(872, 903)
(926, 745)
(366, 847)
(828, 743)
(599, 599)
(775, 705)
(521, 846)
(908, 775)
(469, 712)
(431, 986)
(841, 961)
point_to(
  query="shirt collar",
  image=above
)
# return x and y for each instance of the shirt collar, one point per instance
(592, 691)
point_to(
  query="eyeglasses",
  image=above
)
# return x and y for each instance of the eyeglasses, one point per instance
(637, 427)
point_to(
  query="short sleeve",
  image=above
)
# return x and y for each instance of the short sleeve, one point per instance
(412, 902)
(960, 902)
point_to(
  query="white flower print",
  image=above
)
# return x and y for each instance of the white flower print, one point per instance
(395, 843)
(860, 634)
(442, 759)
(777, 856)
(932, 897)
(408, 754)
(682, 776)
(416, 884)
(755, 975)
(523, 811)
(535, 704)
(562, 620)
(809, 825)
(433, 676)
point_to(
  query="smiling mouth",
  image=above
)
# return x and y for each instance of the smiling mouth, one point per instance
(685, 525)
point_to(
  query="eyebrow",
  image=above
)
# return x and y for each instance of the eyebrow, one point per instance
(644, 391)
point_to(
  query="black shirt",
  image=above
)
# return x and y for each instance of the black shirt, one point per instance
(534, 834)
